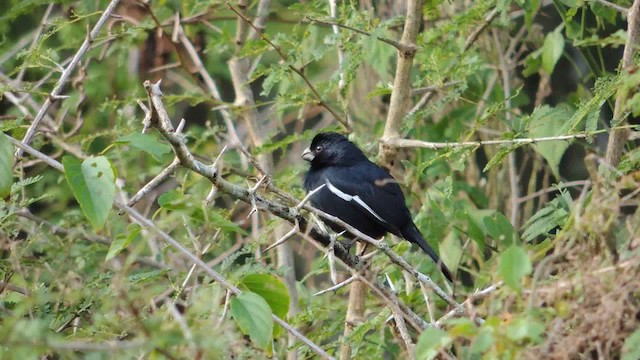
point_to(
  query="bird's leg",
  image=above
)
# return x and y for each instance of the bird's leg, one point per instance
(364, 249)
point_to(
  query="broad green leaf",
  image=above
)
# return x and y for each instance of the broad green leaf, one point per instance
(272, 290)
(171, 200)
(547, 122)
(477, 229)
(93, 185)
(552, 50)
(514, 265)
(430, 342)
(499, 228)
(254, 317)
(482, 342)
(631, 347)
(147, 143)
(122, 241)
(6, 165)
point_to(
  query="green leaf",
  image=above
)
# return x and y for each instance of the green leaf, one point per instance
(430, 342)
(93, 185)
(271, 289)
(514, 265)
(552, 50)
(532, 63)
(631, 347)
(253, 315)
(477, 229)
(546, 121)
(6, 165)
(499, 228)
(546, 219)
(218, 220)
(122, 241)
(523, 328)
(147, 143)
(499, 156)
(482, 342)
(146, 276)
(171, 200)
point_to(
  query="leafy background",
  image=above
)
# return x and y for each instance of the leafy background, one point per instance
(549, 229)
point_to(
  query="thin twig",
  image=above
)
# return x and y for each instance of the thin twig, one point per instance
(55, 93)
(336, 287)
(613, 6)
(165, 173)
(398, 45)
(410, 143)
(458, 310)
(296, 70)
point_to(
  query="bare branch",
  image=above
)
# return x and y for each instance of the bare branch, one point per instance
(398, 45)
(55, 93)
(618, 137)
(401, 94)
(458, 310)
(336, 287)
(410, 143)
(165, 173)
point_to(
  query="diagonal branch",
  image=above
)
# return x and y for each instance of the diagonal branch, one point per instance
(56, 92)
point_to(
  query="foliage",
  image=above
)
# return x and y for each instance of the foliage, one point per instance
(81, 277)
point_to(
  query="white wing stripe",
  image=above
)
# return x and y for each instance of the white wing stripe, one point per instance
(346, 197)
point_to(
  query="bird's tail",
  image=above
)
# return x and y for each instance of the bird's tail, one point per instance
(412, 234)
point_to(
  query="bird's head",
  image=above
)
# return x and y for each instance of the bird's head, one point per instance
(332, 149)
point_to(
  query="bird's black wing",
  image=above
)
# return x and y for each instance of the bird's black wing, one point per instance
(370, 190)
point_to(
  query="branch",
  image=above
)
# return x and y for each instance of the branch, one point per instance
(410, 143)
(55, 93)
(459, 310)
(398, 45)
(399, 102)
(505, 70)
(619, 137)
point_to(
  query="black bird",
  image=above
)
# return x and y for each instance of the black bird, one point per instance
(359, 192)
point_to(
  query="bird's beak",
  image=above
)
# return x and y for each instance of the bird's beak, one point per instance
(308, 155)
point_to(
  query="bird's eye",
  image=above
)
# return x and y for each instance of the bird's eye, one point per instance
(319, 148)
